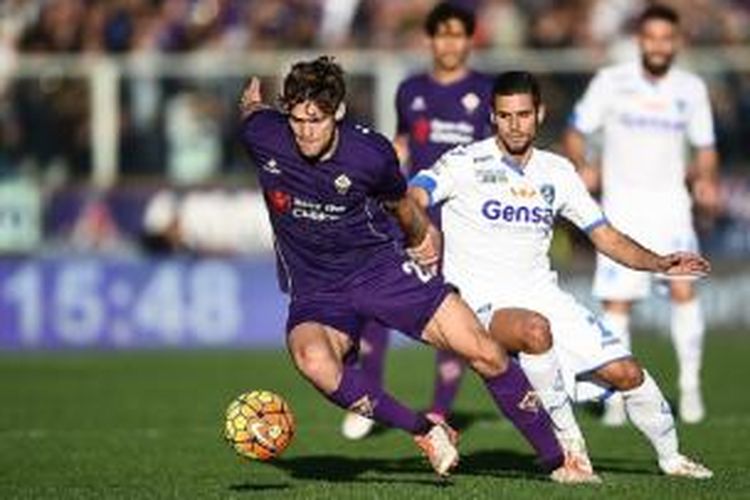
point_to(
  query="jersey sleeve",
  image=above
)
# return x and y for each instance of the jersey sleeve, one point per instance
(700, 128)
(402, 123)
(576, 204)
(261, 128)
(589, 111)
(391, 184)
(440, 180)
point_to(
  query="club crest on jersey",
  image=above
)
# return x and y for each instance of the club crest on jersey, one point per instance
(548, 193)
(342, 183)
(681, 105)
(470, 102)
(418, 104)
(530, 402)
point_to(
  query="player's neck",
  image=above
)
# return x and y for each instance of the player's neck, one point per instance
(449, 76)
(519, 160)
(331, 149)
(654, 78)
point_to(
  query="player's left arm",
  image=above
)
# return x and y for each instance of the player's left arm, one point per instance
(421, 236)
(579, 207)
(625, 250)
(703, 174)
(703, 178)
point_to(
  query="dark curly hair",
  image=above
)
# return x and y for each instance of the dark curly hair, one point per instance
(444, 12)
(320, 81)
(659, 12)
(517, 82)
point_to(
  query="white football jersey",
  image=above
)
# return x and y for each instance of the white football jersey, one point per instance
(646, 128)
(497, 217)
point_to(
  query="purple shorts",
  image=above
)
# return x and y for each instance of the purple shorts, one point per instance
(390, 288)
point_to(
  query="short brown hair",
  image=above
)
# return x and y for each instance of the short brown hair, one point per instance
(320, 81)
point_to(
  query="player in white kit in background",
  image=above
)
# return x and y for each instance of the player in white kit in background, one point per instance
(499, 198)
(648, 112)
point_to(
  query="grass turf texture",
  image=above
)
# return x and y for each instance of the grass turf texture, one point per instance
(148, 425)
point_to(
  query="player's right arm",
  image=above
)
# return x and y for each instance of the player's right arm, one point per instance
(251, 99)
(587, 118)
(401, 145)
(430, 187)
(625, 250)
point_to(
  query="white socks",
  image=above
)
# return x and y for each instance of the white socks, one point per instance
(688, 329)
(614, 410)
(650, 413)
(619, 324)
(545, 376)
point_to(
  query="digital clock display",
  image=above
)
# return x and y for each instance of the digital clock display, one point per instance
(109, 302)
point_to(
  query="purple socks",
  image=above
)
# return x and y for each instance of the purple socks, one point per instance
(360, 394)
(516, 398)
(373, 343)
(449, 369)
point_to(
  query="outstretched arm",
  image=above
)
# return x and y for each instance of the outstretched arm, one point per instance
(251, 99)
(623, 249)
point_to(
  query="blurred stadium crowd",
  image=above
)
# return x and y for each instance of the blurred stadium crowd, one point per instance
(183, 25)
(181, 131)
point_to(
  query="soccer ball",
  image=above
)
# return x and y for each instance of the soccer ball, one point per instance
(259, 425)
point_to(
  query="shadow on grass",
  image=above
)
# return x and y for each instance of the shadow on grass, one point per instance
(460, 420)
(251, 487)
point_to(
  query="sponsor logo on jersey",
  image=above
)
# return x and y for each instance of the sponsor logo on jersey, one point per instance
(271, 166)
(279, 201)
(418, 104)
(450, 132)
(491, 176)
(548, 193)
(494, 210)
(283, 203)
(470, 102)
(342, 183)
(483, 159)
(651, 123)
(420, 130)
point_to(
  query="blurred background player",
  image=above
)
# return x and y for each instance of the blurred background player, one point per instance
(328, 184)
(501, 197)
(647, 111)
(436, 111)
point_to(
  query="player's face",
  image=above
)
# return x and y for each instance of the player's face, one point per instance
(451, 45)
(314, 130)
(517, 120)
(659, 41)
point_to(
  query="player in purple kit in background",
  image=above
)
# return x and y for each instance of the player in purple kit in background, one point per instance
(329, 187)
(436, 111)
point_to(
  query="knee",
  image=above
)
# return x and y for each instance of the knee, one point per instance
(490, 361)
(626, 375)
(537, 335)
(315, 363)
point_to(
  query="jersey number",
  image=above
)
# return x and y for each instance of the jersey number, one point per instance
(412, 268)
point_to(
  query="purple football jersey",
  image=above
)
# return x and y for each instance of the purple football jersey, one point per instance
(326, 216)
(437, 117)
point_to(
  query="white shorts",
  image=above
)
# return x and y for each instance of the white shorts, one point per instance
(613, 281)
(582, 343)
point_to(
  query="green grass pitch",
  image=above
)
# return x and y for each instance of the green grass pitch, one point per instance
(148, 425)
